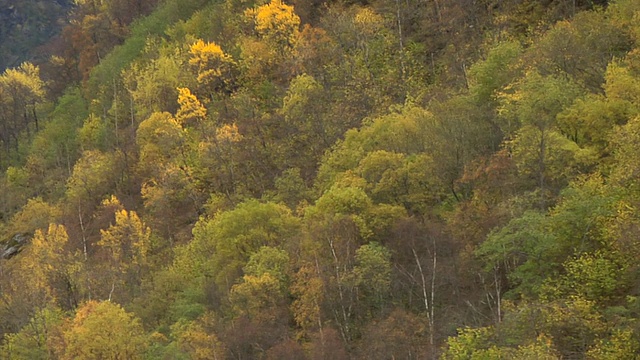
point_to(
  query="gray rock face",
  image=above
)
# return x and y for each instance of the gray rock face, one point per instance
(13, 246)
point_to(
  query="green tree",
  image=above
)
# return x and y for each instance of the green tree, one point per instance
(535, 100)
(291, 189)
(269, 260)
(596, 277)
(548, 161)
(38, 339)
(307, 133)
(172, 201)
(153, 85)
(260, 298)
(467, 342)
(488, 77)
(36, 214)
(372, 275)
(621, 87)
(94, 175)
(477, 344)
(580, 48)
(223, 245)
(93, 134)
(159, 139)
(625, 150)
(54, 149)
(532, 107)
(21, 89)
(403, 132)
(533, 246)
(620, 345)
(589, 122)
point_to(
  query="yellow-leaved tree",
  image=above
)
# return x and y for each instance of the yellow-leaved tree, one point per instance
(276, 22)
(103, 330)
(34, 285)
(215, 70)
(269, 53)
(198, 338)
(191, 111)
(126, 244)
(30, 278)
(308, 292)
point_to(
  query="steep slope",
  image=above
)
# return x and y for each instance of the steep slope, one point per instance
(25, 25)
(230, 179)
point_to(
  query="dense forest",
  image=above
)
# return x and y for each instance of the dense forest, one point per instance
(26, 26)
(339, 179)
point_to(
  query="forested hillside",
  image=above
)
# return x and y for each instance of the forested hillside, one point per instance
(374, 179)
(26, 25)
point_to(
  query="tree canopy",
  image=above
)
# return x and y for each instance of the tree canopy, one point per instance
(200, 179)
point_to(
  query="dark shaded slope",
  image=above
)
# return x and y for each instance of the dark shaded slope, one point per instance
(25, 25)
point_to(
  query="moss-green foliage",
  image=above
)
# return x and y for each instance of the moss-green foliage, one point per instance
(121, 56)
(328, 180)
(223, 246)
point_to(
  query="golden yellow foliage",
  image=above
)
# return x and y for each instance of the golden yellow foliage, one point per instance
(199, 340)
(127, 240)
(42, 261)
(308, 290)
(368, 21)
(228, 134)
(215, 69)
(257, 297)
(276, 21)
(103, 330)
(191, 109)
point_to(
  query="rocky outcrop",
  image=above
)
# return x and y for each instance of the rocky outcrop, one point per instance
(14, 245)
